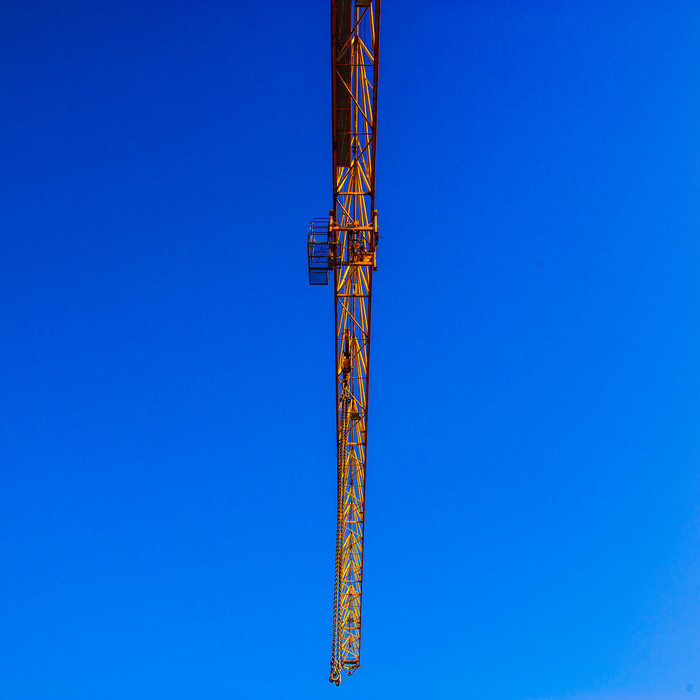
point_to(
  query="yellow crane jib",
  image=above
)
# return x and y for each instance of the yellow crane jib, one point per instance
(343, 247)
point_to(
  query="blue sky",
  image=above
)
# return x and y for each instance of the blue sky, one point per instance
(167, 419)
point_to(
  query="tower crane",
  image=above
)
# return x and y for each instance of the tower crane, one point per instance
(343, 247)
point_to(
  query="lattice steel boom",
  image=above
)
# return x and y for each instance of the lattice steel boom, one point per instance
(345, 244)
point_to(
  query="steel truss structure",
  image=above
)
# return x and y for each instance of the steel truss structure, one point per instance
(346, 244)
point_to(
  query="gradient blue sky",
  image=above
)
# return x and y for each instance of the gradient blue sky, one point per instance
(166, 382)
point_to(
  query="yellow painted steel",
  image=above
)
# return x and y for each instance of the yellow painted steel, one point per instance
(353, 230)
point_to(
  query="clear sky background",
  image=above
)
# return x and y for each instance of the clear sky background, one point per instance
(167, 445)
